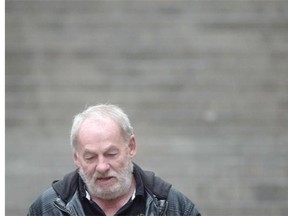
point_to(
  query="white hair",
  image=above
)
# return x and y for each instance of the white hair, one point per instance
(101, 111)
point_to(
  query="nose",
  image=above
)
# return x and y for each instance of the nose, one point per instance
(102, 166)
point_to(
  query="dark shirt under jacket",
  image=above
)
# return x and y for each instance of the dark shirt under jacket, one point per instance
(132, 207)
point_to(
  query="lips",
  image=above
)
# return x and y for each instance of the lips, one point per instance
(104, 180)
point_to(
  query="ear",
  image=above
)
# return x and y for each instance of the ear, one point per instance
(132, 147)
(76, 159)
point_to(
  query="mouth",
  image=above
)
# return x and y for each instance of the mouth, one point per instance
(105, 180)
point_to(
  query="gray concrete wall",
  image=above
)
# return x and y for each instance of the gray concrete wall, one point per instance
(205, 84)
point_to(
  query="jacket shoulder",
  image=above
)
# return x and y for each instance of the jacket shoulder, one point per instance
(44, 204)
(179, 204)
(61, 190)
(175, 203)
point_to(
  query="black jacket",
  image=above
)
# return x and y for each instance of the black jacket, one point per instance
(62, 199)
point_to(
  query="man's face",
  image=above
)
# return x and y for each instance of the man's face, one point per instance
(104, 158)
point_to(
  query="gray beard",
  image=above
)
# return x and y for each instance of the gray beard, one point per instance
(122, 186)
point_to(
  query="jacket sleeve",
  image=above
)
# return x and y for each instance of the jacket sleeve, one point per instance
(180, 205)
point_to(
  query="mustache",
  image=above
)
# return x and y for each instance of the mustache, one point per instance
(101, 176)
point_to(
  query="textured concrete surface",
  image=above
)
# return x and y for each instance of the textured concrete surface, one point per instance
(205, 84)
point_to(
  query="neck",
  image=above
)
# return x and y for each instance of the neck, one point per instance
(110, 207)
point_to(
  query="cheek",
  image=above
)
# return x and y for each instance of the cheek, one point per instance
(121, 162)
(88, 169)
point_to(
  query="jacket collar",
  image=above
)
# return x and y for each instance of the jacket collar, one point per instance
(66, 187)
(153, 184)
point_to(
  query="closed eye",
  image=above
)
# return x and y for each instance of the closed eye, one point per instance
(112, 154)
(89, 157)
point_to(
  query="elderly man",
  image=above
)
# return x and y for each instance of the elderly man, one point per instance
(107, 182)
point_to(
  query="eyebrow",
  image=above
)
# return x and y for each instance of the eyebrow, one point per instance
(88, 152)
(110, 148)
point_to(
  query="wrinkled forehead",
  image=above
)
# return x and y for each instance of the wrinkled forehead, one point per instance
(95, 129)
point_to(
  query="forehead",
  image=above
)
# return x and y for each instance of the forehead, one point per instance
(95, 130)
